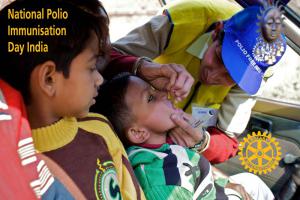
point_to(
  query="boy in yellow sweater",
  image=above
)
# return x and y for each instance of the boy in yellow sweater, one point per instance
(59, 85)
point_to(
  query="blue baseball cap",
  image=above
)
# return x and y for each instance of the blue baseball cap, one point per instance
(245, 53)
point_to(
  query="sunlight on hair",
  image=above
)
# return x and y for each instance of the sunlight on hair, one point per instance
(4, 3)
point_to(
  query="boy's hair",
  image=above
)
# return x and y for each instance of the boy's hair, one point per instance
(111, 103)
(80, 24)
(93, 6)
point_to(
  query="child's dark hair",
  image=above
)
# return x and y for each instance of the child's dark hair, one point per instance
(89, 6)
(111, 103)
(80, 25)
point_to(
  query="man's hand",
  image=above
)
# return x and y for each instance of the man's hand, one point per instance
(240, 189)
(168, 77)
(184, 134)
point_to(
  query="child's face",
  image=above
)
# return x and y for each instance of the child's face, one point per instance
(150, 108)
(76, 94)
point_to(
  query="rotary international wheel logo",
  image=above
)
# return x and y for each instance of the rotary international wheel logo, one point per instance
(259, 153)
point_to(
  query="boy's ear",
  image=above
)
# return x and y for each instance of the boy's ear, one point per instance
(47, 77)
(138, 135)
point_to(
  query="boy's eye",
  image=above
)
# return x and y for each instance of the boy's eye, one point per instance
(150, 98)
(93, 68)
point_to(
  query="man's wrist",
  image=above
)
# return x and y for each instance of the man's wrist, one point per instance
(203, 144)
(138, 64)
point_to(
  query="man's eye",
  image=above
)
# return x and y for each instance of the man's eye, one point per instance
(150, 98)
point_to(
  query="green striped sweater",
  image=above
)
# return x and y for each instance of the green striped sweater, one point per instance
(174, 172)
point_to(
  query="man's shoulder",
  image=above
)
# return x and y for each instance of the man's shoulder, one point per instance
(205, 5)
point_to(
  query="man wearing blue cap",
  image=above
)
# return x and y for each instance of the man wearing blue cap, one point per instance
(227, 51)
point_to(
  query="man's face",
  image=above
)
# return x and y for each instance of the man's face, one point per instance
(150, 108)
(76, 94)
(212, 69)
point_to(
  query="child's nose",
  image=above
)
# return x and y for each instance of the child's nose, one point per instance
(99, 79)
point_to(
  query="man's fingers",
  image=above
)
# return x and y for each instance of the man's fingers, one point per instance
(187, 87)
(187, 117)
(180, 81)
(184, 134)
(171, 77)
(183, 124)
(168, 71)
(180, 121)
(178, 87)
(183, 82)
(176, 137)
(188, 140)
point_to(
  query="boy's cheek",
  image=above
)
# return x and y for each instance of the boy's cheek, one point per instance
(83, 114)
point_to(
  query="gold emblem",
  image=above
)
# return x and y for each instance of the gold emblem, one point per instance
(259, 153)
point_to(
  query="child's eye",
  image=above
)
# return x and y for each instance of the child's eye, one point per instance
(150, 98)
(94, 68)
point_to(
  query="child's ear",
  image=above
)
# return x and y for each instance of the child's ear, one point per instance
(138, 135)
(47, 77)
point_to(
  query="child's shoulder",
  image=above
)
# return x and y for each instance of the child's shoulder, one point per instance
(97, 124)
(94, 119)
(94, 116)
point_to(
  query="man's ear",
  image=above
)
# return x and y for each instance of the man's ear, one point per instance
(219, 51)
(218, 28)
(47, 77)
(138, 135)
